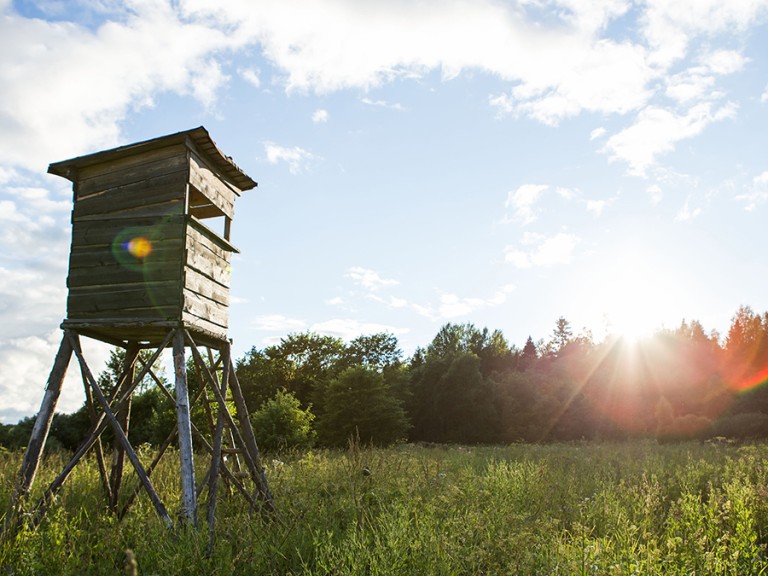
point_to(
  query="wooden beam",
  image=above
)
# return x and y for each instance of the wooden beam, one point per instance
(159, 507)
(98, 425)
(250, 440)
(251, 451)
(40, 431)
(218, 435)
(99, 451)
(97, 428)
(124, 418)
(184, 423)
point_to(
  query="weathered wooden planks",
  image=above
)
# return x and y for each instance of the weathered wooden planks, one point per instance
(207, 257)
(134, 301)
(210, 184)
(105, 230)
(204, 326)
(205, 308)
(116, 172)
(206, 287)
(159, 195)
(144, 271)
(140, 253)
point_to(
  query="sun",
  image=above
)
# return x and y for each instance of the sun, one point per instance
(630, 321)
(633, 304)
(635, 296)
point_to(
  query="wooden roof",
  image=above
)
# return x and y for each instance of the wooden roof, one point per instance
(198, 138)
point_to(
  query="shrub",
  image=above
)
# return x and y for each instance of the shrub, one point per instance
(360, 404)
(748, 425)
(280, 423)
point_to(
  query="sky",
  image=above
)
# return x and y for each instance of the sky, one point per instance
(503, 163)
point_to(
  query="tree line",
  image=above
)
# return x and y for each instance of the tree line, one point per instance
(469, 385)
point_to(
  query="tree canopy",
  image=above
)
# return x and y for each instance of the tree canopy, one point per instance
(469, 385)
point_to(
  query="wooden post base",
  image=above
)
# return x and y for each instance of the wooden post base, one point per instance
(218, 380)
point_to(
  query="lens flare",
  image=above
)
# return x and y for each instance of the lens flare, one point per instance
(742, 382)
(139, 247)
(134, 248)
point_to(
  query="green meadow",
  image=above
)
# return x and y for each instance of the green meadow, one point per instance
(572, 509)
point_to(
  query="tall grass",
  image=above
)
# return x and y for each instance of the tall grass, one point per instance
(609, 509)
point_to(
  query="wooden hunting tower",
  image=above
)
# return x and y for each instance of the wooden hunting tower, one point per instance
(149, 268)
(142, 259)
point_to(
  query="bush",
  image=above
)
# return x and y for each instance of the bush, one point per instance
(749, 425)
(280, 423)
(361, 404)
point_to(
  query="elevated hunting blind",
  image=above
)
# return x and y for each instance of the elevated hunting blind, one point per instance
(142, 258)
(149, 268)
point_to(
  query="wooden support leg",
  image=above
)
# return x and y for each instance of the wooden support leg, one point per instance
(97, 445)
(124, 418)
(98, 425)
(218, 435)
(245, 432)
(250, 440)
(40, 429)
(188, 492)
(99, 395)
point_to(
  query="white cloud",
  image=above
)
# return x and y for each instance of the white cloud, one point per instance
(97, 75)
(501, 295)
(503, 103)
(544, 251)
(697, 83)
(348, 329)
(518, 258)
(22, 379)
(758, 193)
(523, 200)
(764, 96)
(451, 306)
(670, 27)
(597, 133)
(596, 207)
(369, 279)
(320, 116)
(32, 305)
(252, 76)
(8, 212)
(390, 301)
(687, 213)
(278, 323)
(337, 301)
(38, 201)
(654, 191)
(690, 85)
(723, 61)
(7, 175)
(35, 231)
(296, 158)
(599, 76)
(383, 104)
(657, 130)
(559, 67)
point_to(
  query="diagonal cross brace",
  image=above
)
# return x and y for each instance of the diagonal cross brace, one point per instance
(119, 433)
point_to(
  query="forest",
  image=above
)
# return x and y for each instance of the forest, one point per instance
(471, 386)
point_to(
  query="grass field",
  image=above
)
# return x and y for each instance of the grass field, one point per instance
(624, 508)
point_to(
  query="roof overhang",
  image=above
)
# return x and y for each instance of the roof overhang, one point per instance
(198, 138)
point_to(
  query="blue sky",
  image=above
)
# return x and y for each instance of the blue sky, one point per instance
(500, 163)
